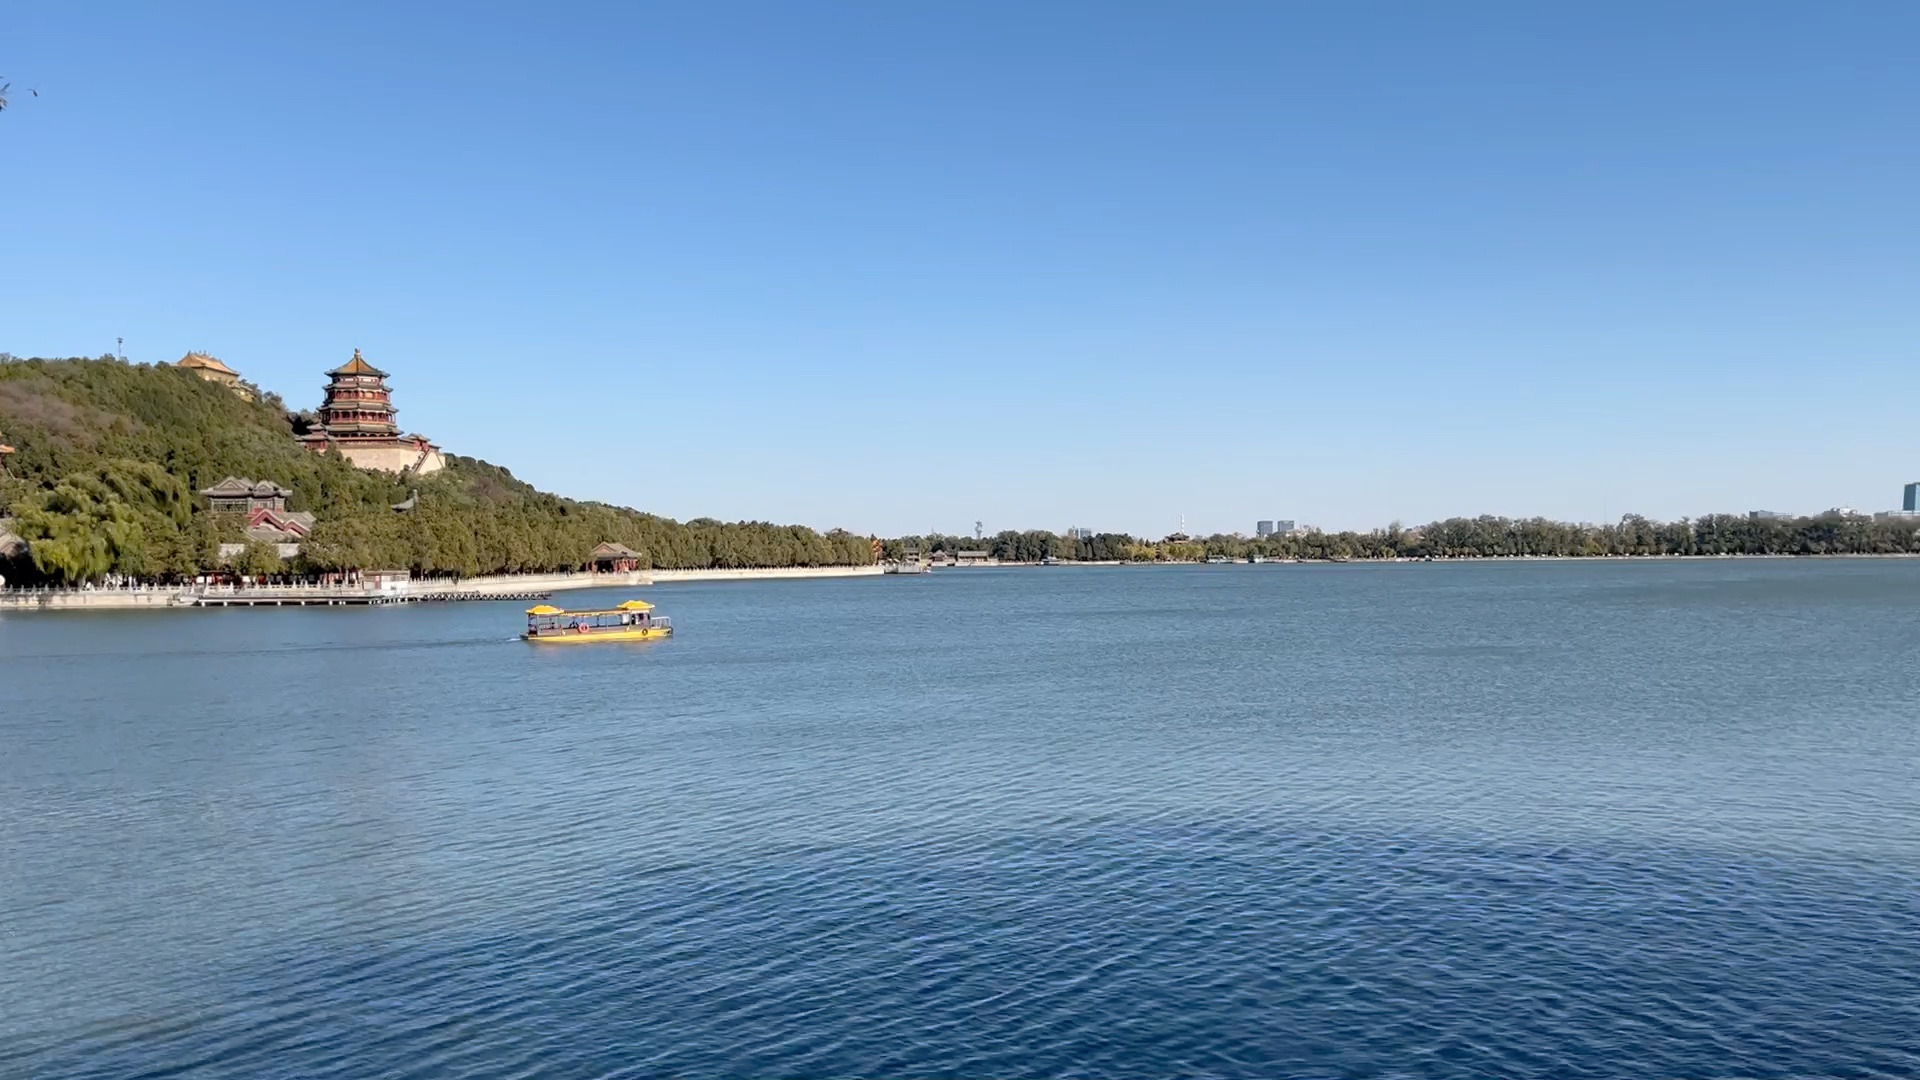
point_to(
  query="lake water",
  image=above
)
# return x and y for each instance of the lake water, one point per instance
(1533, 820)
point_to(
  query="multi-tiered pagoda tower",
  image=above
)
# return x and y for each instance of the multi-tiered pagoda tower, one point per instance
(356, 419)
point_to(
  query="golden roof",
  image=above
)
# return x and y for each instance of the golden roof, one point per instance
(357, 366)
(636, 605)
(545, 609)
(205, 362)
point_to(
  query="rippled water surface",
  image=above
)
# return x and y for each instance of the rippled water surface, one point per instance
(1542, 820)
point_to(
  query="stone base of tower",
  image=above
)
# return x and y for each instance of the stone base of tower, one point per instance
(394, 458)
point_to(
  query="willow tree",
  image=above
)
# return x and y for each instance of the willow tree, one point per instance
(122, 517)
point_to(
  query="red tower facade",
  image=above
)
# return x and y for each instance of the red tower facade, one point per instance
(357, 419)
(358, 404)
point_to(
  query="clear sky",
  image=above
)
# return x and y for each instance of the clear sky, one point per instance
(899, 266)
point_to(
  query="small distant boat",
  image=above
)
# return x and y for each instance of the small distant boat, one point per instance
(1218, 559)
(631, 621)
(905, 566)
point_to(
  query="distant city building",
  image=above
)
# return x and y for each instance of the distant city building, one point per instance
(1768, 515)
(1263, 528)
(1283, 527)
(1910, 499)
(356, 419)
(212, 370)
(1077, 532)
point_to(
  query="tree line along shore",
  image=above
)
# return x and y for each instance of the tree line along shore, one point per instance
(1486, 537)
(108, 458)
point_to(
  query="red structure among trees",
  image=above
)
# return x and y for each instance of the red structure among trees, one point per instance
(358, 404)
(357, 419)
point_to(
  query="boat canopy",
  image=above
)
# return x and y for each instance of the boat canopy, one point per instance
(631, 605)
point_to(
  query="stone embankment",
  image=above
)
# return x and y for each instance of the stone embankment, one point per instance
(501, 585)
(513, 584)
(90, 599)
(662, 577)
(520, 583)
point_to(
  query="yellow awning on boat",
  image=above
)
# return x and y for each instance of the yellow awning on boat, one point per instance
(631, 605)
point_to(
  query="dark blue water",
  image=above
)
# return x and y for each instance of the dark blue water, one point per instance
(1545, 820)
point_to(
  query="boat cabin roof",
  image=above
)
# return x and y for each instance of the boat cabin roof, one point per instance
(631, 605)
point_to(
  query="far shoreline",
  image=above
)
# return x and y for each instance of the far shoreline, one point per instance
(1407, 560)
(508, 586)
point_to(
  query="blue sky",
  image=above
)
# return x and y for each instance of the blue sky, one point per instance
(901, 266)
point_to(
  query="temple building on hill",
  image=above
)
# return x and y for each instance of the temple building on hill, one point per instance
(239, 495)
(357, 420)
(265, 505)
(610, 558)
(211, 369)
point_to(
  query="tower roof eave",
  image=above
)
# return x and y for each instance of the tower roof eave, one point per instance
(358, 366)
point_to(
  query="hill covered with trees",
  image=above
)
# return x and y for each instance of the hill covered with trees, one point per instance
(109, 456)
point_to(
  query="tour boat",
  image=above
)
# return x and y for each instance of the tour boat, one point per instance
(631, 621)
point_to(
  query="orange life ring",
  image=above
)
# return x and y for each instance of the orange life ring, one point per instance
(580, 627)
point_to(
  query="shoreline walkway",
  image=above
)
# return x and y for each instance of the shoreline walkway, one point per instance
(516, 587)
(270, 597)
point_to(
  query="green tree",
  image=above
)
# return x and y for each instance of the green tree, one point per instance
(259, 560)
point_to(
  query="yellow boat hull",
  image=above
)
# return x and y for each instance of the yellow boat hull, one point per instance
(651, 633)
